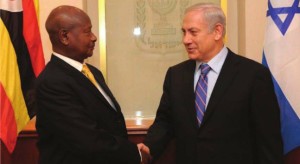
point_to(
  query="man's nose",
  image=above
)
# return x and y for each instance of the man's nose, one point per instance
(94, 37)
(186, 39)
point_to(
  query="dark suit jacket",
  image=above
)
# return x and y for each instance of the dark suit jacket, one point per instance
(75, 123)
(241, 124)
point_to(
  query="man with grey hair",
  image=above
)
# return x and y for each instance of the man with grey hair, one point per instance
(218, 106)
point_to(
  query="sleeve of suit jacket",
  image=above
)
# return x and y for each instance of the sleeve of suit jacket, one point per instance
(161, 131)
(265, 116)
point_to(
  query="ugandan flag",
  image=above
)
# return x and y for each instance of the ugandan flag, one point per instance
(21, 61)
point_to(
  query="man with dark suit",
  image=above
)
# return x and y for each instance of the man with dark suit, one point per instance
(225, 113)
(78, 121)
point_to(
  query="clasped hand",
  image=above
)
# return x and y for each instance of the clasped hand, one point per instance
(145, 153)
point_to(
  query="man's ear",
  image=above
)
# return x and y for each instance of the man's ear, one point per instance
(219, 29)
(63, 37)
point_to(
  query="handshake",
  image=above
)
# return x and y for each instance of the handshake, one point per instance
(145, 153)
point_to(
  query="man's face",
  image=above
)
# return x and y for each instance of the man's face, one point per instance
(82, 40)
(198, 40)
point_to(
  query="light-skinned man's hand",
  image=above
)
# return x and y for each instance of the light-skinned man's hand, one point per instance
(145, 153)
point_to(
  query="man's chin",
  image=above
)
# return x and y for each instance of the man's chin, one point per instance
(87, 56)
(192, 56)
(90, 54)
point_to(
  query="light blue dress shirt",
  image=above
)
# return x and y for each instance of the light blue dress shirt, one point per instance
(215, 64)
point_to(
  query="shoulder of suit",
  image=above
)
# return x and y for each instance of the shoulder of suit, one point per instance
(186, 63)
(58, 70)
(247, 62)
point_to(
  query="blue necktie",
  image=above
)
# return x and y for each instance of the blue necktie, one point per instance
(201, 91)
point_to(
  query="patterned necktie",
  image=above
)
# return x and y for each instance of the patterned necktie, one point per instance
(86, 71)
(201, 91)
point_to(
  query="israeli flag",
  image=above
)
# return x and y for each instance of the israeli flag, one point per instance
(281, 54)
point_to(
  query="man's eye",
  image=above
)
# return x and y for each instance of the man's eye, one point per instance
(193, 32)
(88, 32)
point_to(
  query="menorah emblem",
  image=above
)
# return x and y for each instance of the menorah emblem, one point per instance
(162, 8)
(158, 25)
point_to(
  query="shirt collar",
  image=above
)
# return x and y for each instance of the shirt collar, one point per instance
(216, 62)
(77, 65)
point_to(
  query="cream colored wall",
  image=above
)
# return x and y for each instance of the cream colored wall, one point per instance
(255, 23)
(232, 25)
(246, 27)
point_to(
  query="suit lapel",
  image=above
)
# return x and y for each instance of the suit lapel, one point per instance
(227, 74)
(189, 93)
(107, 91)
(95, 90)
(79, 77)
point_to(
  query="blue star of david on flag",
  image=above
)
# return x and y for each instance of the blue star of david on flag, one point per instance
(290, 11)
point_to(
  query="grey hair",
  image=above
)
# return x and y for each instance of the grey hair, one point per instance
(213, 14)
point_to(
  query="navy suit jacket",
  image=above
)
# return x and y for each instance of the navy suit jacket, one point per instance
(241, 124)
(75, 123)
